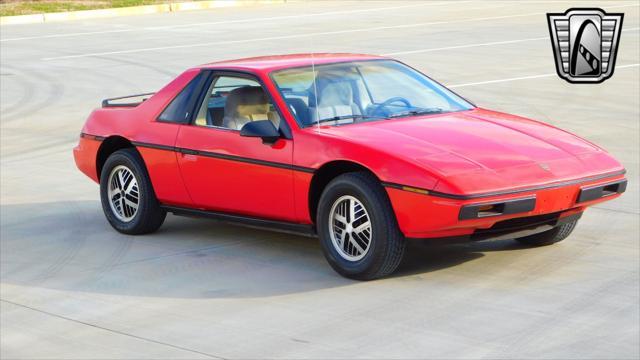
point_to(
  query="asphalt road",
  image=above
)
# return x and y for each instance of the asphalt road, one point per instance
(71, 287)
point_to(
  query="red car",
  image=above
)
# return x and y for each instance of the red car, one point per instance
(362, 151)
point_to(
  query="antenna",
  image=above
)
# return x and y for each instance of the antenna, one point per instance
(315, 85)
(315, 90)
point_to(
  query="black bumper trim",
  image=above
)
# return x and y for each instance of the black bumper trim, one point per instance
(501, 233)
(508, 207)
(601, 191)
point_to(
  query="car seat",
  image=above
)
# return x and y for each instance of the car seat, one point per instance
(335, 97)
(245, 104)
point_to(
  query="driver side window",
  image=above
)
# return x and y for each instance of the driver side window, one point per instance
(232, 101)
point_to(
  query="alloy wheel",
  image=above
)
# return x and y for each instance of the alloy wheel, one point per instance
(123, 192)
(350, 228)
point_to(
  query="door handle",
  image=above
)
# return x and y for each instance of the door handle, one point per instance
(188, 152)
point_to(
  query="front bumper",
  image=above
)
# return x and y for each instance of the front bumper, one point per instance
(526, 204)
(429, 216)
(515, 228)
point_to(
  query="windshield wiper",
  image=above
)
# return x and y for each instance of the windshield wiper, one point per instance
(342, 117)
(423, 111)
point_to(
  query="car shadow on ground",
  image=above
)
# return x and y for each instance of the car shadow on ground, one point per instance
(69, 246)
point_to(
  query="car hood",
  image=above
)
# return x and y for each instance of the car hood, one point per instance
(481, 150)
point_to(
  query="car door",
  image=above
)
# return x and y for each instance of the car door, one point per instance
(226, 172)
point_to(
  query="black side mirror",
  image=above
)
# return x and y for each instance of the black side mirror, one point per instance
(263, 129)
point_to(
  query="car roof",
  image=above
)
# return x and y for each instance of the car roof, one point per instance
(277, 62)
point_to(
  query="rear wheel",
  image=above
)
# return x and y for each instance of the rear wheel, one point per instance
(549, 237)
(357, 228)
(128, 200)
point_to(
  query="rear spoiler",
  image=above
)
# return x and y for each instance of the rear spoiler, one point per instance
(113, 102)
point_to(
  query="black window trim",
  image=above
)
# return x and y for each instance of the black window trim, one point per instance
(199, 77)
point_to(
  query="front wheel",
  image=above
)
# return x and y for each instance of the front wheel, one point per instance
(549, 237)
(128, 200)
(357, 228)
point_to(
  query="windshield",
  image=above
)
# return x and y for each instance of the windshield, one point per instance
(345, 93)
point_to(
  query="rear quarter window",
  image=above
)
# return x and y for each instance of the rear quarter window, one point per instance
(181, 107)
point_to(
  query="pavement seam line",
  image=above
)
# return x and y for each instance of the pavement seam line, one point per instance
(112, 330)
(294, 36)
(281, 37)
(235, 21)
(58, 16)
(524, 78)
(465, 46)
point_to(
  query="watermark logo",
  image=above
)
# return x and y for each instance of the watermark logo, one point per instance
(585, 43)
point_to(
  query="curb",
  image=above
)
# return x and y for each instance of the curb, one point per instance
(128, 11)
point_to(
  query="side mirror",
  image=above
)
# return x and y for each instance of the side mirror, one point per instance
(263, 129)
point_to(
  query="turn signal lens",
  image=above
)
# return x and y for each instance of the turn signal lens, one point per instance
(415, 190)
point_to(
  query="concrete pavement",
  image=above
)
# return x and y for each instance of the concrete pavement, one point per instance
(71, 287)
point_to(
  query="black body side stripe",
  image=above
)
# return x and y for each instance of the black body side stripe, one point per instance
(225, 157)
(385, 184)
(394, 185)
(252, 161)
(212, 155)
(92, 137)
(153, 146)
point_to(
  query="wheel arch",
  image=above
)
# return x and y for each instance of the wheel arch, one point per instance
(323, 176)
(110, 145)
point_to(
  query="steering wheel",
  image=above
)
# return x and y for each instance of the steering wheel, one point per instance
(378, 109)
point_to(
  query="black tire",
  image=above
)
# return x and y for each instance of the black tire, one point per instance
(149, 216)
(387, 243)
(549, 237)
